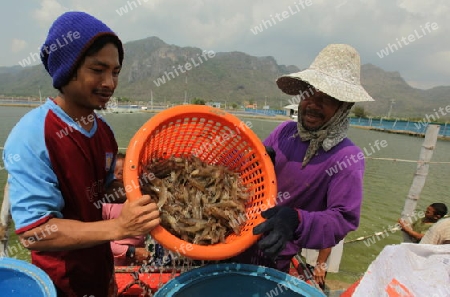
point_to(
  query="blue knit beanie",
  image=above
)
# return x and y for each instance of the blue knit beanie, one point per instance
(69, 37)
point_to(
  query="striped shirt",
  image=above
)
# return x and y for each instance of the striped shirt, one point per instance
(59, 170)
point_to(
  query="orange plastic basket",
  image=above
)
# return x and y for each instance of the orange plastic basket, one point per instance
(216, 137)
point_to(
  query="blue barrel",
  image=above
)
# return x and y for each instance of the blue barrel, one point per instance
(237, 280)
(20, 278)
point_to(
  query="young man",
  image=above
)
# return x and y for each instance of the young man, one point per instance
(319, 170)
(417, 230)
(66, 163)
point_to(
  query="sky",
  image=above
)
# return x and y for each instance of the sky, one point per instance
(408, 36)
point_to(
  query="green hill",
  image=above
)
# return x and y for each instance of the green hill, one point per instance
(152, 66)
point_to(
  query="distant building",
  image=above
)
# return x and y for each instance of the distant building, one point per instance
(291, 110)
(214, 104)
(254, 106)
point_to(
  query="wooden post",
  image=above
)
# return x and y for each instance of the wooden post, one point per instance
(4, 223)
(420, 175)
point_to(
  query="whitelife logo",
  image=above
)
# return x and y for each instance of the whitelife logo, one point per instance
(391, 48)
(183, 68)
(433, 118)
(348, 162)
(60, 43)
(131, 5)
(279, 17)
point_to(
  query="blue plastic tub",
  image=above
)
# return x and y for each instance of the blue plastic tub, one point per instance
(237, 280)
(20, 278)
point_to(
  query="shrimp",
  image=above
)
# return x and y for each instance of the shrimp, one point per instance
(199, 202)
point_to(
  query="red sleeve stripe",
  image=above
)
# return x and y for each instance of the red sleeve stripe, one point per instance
(34, 225)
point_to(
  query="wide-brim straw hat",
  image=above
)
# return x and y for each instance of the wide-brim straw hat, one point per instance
(335, 71)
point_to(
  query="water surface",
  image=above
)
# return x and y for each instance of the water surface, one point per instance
(386, 183)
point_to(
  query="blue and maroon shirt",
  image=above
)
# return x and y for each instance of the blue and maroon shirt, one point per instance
(59, 170)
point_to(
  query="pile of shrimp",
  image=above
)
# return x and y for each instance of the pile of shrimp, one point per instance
(199, 203)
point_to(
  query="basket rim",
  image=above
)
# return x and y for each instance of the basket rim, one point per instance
(218, 251)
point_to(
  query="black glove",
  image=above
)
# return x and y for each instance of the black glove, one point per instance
(271, 152)
(279, 228)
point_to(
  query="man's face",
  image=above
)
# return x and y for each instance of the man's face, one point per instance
(316, 110)
(95, 80)
(429, 213)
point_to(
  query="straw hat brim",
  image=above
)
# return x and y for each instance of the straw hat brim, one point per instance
(294, 83)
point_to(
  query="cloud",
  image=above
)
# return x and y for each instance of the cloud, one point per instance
(436, 60)
(428, 9)
(17, 45)
(48, 12)
(367, 25)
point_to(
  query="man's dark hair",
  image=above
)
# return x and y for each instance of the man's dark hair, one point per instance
(120, 155)
(94, 48)
(99, 43)
(440, 209)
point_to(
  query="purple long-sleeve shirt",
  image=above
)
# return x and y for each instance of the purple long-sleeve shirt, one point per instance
(327, 192)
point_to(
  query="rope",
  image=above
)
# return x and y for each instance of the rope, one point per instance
(372, 158)
(120, 148)
(408, 161)
(146, 291)
(374, 234)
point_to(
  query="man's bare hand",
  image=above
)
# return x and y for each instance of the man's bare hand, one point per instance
(141, 254)
(138, 217)
(404, 225)
(319, 274)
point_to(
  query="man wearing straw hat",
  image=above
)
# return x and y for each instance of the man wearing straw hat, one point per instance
(66, 165)
(319, 170)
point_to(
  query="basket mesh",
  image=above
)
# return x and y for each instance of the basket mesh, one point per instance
(214, 139)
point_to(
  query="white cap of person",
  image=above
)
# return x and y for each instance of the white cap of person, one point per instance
(336, 71)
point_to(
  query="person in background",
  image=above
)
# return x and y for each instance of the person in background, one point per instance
(320, 262)
(118, 169)
(417, 230)
(126, 251)
(4, 222)
(319, 170)
(133, 250)
(439, 233)
(66, 163)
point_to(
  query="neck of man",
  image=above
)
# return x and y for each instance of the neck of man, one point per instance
(78, 113)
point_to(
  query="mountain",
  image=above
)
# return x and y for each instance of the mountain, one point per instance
(390, 88)
(171, 72)
(234, 76)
